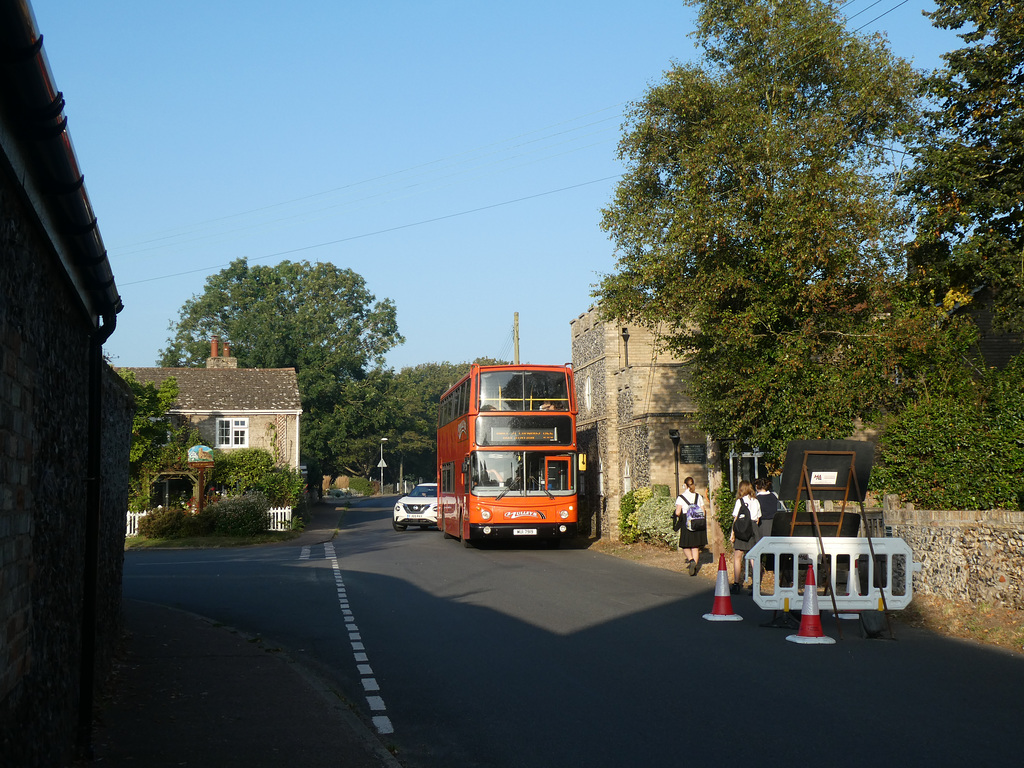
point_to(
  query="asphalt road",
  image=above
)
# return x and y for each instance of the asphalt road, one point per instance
(518, 655)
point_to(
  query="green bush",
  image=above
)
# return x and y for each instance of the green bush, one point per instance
(175, 523)
(361, 486)
(283, 487)
(242, 470)
(957, 451)
(629, 527)
(722, 503)
(241, 515)
(654, 521)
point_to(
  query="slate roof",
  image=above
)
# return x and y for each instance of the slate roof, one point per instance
(229, 390)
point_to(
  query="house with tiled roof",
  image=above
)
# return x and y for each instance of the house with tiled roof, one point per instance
(236, 407)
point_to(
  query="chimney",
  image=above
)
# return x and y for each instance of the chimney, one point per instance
(220, 355)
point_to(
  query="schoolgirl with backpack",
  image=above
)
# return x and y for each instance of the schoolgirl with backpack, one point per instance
(746, 513)
(690, 519)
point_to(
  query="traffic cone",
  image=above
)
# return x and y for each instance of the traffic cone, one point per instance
(722, 610)
(810, 622)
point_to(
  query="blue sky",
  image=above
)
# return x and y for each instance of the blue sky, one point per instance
(455, 154)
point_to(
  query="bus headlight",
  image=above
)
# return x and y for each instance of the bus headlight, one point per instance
(485, 514)
(487, 530)
(564, 514)
(561, 529)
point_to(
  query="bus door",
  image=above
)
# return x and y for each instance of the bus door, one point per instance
(558, 473)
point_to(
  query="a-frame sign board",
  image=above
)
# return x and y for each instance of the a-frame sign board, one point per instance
(839, 478)
(837, 470)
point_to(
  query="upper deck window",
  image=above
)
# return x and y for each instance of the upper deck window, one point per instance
(523, 391)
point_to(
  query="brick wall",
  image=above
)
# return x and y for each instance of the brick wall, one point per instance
(44, 341)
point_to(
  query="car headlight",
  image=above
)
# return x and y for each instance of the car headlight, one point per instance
(398, 507)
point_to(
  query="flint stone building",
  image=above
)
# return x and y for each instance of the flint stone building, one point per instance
(630, 394)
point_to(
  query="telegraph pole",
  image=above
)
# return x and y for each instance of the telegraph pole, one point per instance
(515, 340)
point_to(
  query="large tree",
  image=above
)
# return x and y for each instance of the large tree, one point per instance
(757, 223)
(968, 177)
(317, 318)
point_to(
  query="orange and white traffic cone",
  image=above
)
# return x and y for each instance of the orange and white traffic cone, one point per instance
(810, 621)
(722, 610)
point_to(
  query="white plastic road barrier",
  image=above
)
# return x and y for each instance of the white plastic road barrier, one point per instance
(858, 580)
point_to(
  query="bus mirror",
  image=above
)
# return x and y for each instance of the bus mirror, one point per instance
(465, 465)
(582, 461)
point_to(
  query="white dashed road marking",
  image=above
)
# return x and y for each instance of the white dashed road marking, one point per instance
(370, 685)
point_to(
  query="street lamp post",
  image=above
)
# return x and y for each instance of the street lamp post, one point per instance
(382, 464)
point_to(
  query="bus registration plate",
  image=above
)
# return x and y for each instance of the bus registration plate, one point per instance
(524, 531)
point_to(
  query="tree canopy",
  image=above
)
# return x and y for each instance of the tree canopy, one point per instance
(757, 224)
(316, 318)
(968, 177)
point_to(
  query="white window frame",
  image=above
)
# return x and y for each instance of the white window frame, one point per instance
(237, 432)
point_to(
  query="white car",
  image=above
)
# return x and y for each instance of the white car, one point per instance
(418, 508)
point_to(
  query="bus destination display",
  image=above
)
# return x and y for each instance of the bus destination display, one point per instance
(524, 430)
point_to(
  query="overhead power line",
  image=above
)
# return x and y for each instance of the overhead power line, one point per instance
(379, 231)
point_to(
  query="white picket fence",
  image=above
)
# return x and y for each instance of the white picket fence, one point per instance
(280, 520)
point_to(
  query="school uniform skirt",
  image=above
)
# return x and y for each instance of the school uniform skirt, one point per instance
(692, 539)
(744, 546)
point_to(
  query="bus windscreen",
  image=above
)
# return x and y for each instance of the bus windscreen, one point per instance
(523, 391)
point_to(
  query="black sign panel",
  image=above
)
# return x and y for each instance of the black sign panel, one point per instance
(828, 464)
(693, 453)
(524, 430)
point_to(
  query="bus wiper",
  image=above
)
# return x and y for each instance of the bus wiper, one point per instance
(506, 489)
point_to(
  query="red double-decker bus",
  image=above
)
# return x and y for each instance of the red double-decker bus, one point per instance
(506, 454)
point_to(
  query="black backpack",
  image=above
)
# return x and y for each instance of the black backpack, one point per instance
(743, 526)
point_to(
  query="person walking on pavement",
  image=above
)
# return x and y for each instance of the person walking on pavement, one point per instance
(746, 513)
(769, 504)
(692, 537)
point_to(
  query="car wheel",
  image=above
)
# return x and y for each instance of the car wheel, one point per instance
(398, 527)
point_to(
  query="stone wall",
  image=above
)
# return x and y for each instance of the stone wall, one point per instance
(971, 556)
(591, 361)
(44, 379)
